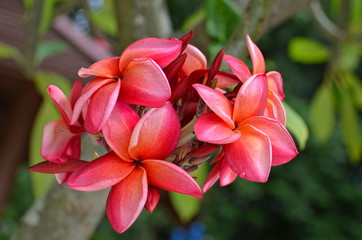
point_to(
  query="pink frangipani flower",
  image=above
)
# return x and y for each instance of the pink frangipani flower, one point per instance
(252, 143)
(136, 77)
(136, 168)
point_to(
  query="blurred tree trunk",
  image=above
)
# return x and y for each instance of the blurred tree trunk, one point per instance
(67, 214)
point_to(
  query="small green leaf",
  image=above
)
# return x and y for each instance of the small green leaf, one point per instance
(296, 126)
(49, 48)
(354, 84)
(322, 113)
(307, 51)
(187, 207)
(9, 51)
(193, 20)
(349, 58)
(350, 126)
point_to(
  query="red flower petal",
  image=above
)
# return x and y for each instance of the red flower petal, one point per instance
(283, 147)
(144, 83)
(275, 83)
(101, 173)
(211, 179)
(195, 60)
(227, 175)
(162, 51)
(217, 102)
(251, 98)
(50, 167)
(118, 129)
(87, 93)
(100, 106)
(212, 129)
(251, 155)
(61, 102)
(239, 68)
(153, 198)
(168, 176)
(75, 93)
(256, 56)
(275, 109)
(156, 134)
(107, 68)
(127, 199)
(58, 142)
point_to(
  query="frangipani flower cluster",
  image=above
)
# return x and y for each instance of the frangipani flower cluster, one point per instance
(161, 113)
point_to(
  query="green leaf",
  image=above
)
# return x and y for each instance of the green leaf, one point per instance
(322, 113)
(46, 114)
(296, 126)
(193, 20)
(223, 17)
(9, 51)
(307, 51)
(350, 126)
(349, 58)
(49, 48)
(187, 207)
(354, 84)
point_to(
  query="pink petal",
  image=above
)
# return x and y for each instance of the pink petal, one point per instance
(107, 68)
(256, 56)
(162, 51)
(227, 175)
(283, 146)
(239, 68)
(153, 198)
(217, 102)
(211, 179)
(275, 108)
(118, 129)
(251, 98)
(195, 60)
(75, 93)
(156, 134)
(127, 199)
(87, 93)
(144, 83)
(168, 176)
(62, 177)
(100, 106)
(275, 83)
(250, 156)
(61, 102)
(212, 129)
(58, 141)
(101, 173)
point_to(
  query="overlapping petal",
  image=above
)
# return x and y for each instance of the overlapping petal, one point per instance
(275, 109)
(144, 83)
(58, 142)
(211, 179)
(106, 68)
(227, 175)
(100, 106)
(256, 56)
(195, 60)
(217, 102)
(212, 129)
(51, 167)
(153, 198)
(127, 199)
(275, 83)
(119, 127)
(87, 93)
(156, 134)
(61, 102)
(251, 98)
(239, 68)
(283, 146)
(168, 176)
(251, 155)
(162, 51)
(101, 173)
